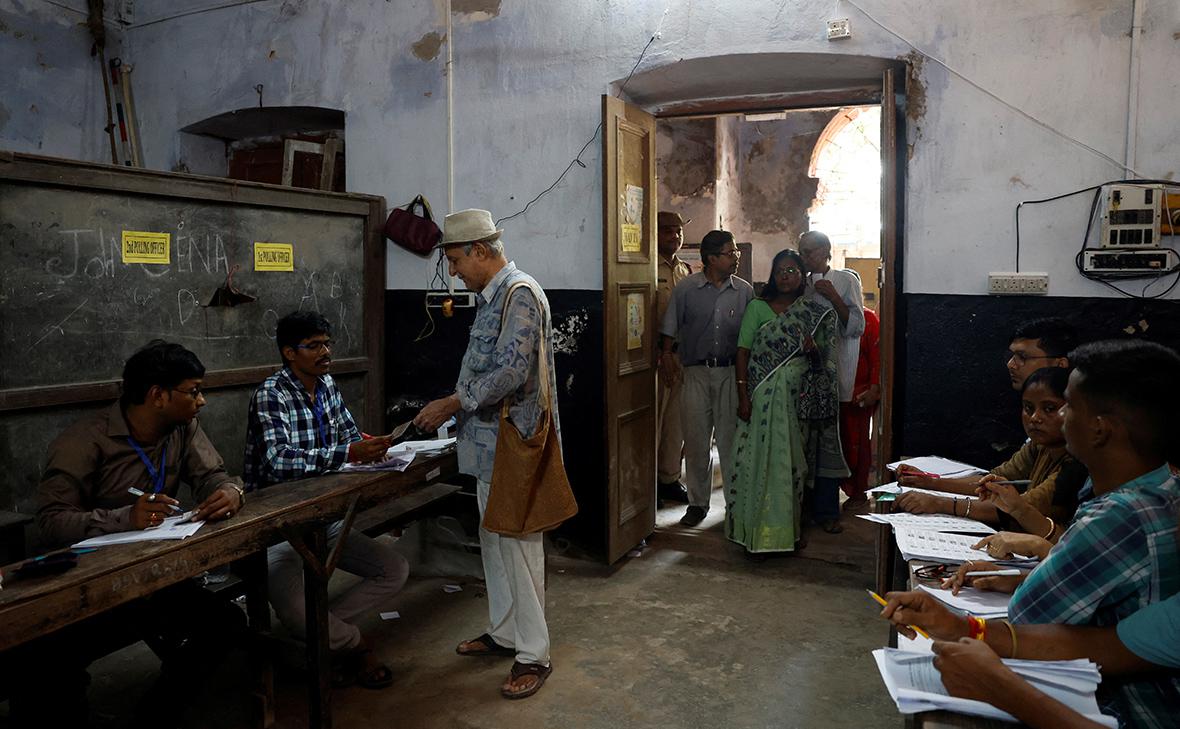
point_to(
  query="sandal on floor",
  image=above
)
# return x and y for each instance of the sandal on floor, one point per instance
(376, 677)
(519, 670)
(832, 527)
(490, 647)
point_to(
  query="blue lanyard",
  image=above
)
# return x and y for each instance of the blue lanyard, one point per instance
(321, 417)
(156, 474)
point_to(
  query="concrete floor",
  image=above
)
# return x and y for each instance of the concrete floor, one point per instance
(689, 633)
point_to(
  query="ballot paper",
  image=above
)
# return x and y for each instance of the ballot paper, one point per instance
(396, 462)
(173, 527)
(945, 547)
(980, 603)
(419, 446)
(915, 685)
(941, 466)
(931, 522)
(897, 489)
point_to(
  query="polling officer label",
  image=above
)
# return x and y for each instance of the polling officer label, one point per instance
(274, 257)
(141, 247)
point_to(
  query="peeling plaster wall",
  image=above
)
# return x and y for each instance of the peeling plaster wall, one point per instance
(53, 100)
(775, 191)
(528, 76)
(686, 152)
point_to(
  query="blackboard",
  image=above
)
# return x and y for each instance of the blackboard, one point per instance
(72, 311)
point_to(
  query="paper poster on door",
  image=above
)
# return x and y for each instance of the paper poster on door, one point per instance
(632, 227)
(634, 321)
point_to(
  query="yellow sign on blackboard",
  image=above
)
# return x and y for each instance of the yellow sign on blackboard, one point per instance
(141, 247)
(274, 257)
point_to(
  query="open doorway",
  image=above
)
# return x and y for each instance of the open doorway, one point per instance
(768, 177)
(725, 104)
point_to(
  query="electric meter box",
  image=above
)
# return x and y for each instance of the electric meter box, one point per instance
(1131, 216)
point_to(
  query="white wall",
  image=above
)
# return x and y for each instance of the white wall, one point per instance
(528, 76)
(52, 101)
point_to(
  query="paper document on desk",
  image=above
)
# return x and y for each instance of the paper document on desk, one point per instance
(897, 489)
(420, 446)
(944, 467)
(931, 522)
(174, 527)
(945, 547)
(980, 603)
(915, 685)
(396, 462)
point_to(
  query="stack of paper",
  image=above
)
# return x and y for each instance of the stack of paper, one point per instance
(915, 685)
(400, 456)
(945, 547)
(941, 466)
(173, 527)
(931, 522)
(980, 603)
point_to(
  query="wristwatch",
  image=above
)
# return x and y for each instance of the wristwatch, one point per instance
(241, 493)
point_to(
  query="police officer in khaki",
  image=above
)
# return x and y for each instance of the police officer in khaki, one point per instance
(670, 270)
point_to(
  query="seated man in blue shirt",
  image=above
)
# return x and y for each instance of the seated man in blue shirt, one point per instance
(1120, 555)
(299, 427)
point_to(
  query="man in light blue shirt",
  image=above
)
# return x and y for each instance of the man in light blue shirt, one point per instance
(702, 321)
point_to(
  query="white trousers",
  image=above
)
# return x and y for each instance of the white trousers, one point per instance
(514, 570)
(383, 570)
(708, 407)
(671, 432)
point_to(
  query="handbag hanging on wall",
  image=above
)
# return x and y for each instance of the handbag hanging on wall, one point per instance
(416, 233)
(530, 491)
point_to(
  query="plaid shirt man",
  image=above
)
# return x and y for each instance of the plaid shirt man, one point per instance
(284, 438)
(1119, 555)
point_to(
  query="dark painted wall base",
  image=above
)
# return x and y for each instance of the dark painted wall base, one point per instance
(419, 371)
(953, 390)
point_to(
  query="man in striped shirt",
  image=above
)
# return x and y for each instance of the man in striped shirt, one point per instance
(299, 427)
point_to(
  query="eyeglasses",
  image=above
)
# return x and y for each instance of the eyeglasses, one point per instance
(735, 253)
(932, 571)
(194, 393)
(786, 271)
(1020, 357)
(317, 347)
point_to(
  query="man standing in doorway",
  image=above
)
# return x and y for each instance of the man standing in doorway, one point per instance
(702, 321)
(670, 271)
(501, 363)
(840, 290)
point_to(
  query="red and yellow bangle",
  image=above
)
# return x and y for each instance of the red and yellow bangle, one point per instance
(976, 627)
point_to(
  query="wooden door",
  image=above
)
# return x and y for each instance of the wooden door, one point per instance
(892, 130)
(629, 326)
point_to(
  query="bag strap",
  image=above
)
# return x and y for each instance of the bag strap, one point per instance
(421, 201)
(542, 347)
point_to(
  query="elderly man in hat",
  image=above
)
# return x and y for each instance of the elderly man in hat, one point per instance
(670, 270)
(501, 363)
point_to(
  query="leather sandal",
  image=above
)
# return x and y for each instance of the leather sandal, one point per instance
(490, 647)
(519, 670)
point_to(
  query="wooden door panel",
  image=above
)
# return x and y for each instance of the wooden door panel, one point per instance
(629, 282)
(891, 129)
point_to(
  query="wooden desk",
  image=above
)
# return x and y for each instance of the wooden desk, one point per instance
(118, 574)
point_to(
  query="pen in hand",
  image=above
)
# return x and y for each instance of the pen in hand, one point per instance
(994, 573)
(884, 603)
(136, 492)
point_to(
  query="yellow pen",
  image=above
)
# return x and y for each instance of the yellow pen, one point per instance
(883, 602)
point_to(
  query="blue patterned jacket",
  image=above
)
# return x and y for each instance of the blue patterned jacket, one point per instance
(501, 362)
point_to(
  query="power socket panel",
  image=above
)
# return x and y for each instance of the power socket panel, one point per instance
(1018, 284)
(839, 29)
(461, 299)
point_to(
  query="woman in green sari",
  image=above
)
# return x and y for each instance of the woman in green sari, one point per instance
(787, 402)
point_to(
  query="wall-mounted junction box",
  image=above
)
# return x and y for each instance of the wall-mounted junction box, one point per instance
(461, 299)
(838, 29)
(1144, 261)
(1018, 284)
